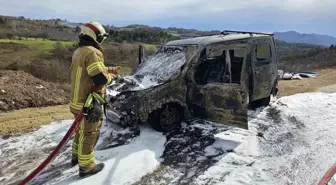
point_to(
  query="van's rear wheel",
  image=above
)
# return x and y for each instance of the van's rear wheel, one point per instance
(166, 118)
(267, 100)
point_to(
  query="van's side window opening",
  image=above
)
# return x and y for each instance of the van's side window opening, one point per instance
(263, 53)
(221, 65)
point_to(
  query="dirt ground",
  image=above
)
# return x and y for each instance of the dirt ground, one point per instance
(323, 82)
(30, 119)
(20, 90)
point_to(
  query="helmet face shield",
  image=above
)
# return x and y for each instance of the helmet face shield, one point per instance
(102, 37)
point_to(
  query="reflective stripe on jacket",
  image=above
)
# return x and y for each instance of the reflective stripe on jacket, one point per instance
(87, 61)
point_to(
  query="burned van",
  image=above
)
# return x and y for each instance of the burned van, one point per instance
(215, 78)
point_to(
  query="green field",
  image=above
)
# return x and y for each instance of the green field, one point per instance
(20, 50)
(40, 44)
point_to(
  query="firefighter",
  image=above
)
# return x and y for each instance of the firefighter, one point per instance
(89, 78)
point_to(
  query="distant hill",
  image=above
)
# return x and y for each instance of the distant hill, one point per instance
(296, 51)
(293, 36)
(290, 49)
(63, 29)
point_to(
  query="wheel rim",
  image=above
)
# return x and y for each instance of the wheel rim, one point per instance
(169, 118)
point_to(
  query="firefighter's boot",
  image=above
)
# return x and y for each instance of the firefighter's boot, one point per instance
(99, 167)
(74, 161)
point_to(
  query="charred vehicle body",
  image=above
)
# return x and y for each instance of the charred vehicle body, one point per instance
(215, 78)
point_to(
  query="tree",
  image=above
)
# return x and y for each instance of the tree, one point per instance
(332, 47)
(78, 29)
(2, 21)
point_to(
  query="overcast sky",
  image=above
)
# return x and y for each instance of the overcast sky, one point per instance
(305, 16)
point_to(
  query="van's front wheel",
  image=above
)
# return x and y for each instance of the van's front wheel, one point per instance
(166, 118)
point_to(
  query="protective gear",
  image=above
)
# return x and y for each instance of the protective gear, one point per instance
(89, 78)
(95, 30)
(97, 169)
(87, 62)
(84, 143)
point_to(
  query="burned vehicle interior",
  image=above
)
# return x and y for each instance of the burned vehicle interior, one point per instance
(183, 81)
(223, 66)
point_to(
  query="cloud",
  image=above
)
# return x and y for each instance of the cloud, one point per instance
(128, 10)
(205, 12)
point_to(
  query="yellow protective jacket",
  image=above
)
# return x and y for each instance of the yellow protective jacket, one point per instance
(87, 61)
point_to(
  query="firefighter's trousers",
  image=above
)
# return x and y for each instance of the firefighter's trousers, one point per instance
(83, 144)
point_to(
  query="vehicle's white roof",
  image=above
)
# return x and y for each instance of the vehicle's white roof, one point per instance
(213, 39)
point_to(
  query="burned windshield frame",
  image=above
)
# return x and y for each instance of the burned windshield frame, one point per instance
(178, 55)
(169, 49)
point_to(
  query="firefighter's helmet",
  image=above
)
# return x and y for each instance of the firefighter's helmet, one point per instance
(95, 30)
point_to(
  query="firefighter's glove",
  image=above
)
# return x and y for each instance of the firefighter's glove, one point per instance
(115, 69)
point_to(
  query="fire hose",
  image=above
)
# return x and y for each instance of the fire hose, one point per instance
(51, 156)
(65, 139)
(327, 177)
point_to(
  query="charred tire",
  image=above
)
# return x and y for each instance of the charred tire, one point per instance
(167, 118)
(265, 101)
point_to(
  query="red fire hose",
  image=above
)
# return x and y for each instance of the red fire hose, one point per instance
(326, 178)
(51, 156)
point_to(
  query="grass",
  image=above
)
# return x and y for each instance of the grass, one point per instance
(40, 44)
(26, 120)
(35, 49)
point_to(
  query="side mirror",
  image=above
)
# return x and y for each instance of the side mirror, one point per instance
(141, 54)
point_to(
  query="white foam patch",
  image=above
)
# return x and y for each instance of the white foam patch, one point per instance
(128, 163)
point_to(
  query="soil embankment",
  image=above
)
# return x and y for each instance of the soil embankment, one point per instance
(20, 90)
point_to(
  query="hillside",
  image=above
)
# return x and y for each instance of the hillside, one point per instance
(56, 29)
(309, 60)
(63, 29)
(317, 39)
(120, 49)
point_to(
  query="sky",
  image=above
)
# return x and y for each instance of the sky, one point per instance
(304, 16)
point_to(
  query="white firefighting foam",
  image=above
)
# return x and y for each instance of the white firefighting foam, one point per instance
(298, 146)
